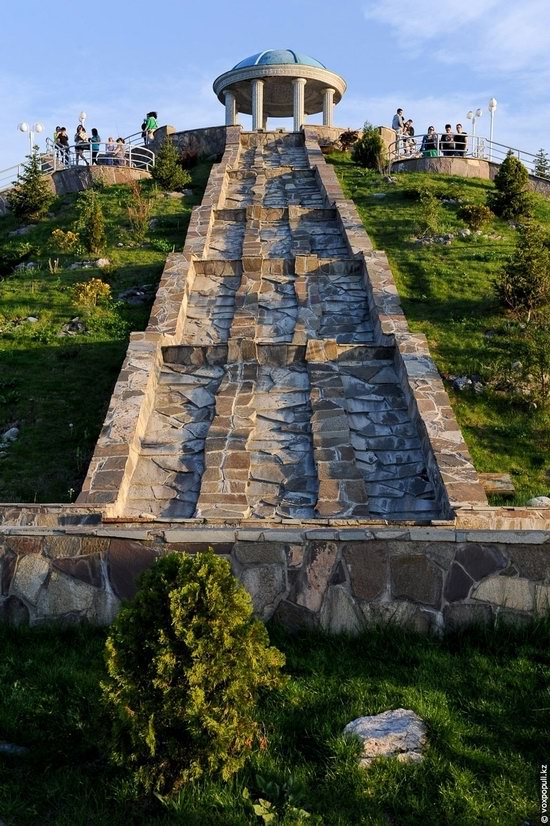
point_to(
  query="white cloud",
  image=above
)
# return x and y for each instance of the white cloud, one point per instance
(426, 19)
(503, 37)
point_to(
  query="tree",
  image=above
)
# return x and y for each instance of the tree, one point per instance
(186, 661)
(510, 199)
(524, 283)
(542, 164)
(369, 150)
(30, 197)
(167, 170)
(91, 221)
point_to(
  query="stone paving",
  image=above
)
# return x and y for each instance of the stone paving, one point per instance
(279, 397)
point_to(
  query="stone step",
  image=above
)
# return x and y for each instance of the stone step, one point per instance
(498, 484)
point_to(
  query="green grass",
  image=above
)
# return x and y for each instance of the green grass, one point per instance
(447, 294)
(57, 389)
(483, 695)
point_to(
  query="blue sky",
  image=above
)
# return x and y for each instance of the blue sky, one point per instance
(118, 60)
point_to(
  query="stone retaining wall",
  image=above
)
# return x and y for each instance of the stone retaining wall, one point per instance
(465, 168)
(341, 579)
(77, 178)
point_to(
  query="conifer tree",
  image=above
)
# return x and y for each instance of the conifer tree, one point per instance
(510, 199)
(542, 164)
(167, 170)
(30, 197)
(524, 283)
(91, 221)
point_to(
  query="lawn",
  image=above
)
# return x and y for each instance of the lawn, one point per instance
(56, 388)
(447, 293)
(484, 697)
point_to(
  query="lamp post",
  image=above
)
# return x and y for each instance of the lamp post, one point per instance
(473, 116)
(492, 106)
(82, 117)
(31, 129)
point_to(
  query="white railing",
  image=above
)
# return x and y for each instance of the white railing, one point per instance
(99, 154)
(407, 147)
(9, 175)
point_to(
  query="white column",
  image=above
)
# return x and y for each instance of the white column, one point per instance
(264, 123)
(230, 109)
(299, 85)
(257, 104)
(328, 107)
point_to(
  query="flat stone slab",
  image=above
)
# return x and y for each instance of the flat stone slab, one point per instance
(400, 733)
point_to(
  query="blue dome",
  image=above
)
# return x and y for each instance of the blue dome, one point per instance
(272, 57)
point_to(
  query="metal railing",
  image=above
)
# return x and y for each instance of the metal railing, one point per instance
(424, 146)
(9, 175)
(99, 154)
(135, 154)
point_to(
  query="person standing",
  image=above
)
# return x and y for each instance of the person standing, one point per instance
(447, 141)
(81, 144)
(150, 126)
(95, 142)
(461, 139)
(398, 124)
(63, 143)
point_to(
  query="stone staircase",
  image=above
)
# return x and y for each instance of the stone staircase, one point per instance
(278, 401)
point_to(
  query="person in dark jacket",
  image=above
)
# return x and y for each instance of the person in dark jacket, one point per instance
(430, 143)
(447, 141)
(460, 140)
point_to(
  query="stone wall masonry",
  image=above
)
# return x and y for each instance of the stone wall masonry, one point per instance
(117, 449)
(465, 168)
(340, 579)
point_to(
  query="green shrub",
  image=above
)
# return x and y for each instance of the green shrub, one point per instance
(91, 222)
(348, 138)
(538, 361)
(139, 211)
(369, 150)
(475, 216)
(167, 171)
(524, 283)
(186, 661)
(31, 197)
(429, 214)
(13, 253)
(510, 199)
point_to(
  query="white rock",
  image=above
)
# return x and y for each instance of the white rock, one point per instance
(400, 733)
(539, 502)
(103, 262)
(32, 319)
(10, 435)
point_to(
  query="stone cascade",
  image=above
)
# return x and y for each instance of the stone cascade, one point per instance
(368, 454)
(277, 395)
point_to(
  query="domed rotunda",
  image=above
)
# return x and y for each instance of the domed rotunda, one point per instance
(279, 83)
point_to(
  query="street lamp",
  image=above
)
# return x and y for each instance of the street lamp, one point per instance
(31, 129)
(492, 106)
(473, 116)
(82, 117)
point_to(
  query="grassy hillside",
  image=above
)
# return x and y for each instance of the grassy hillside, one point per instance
(447, 294)
(55, 388)
(483, 696)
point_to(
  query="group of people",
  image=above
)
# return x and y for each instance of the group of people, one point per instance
(86, 145)
(114, 154)
(448, 143)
